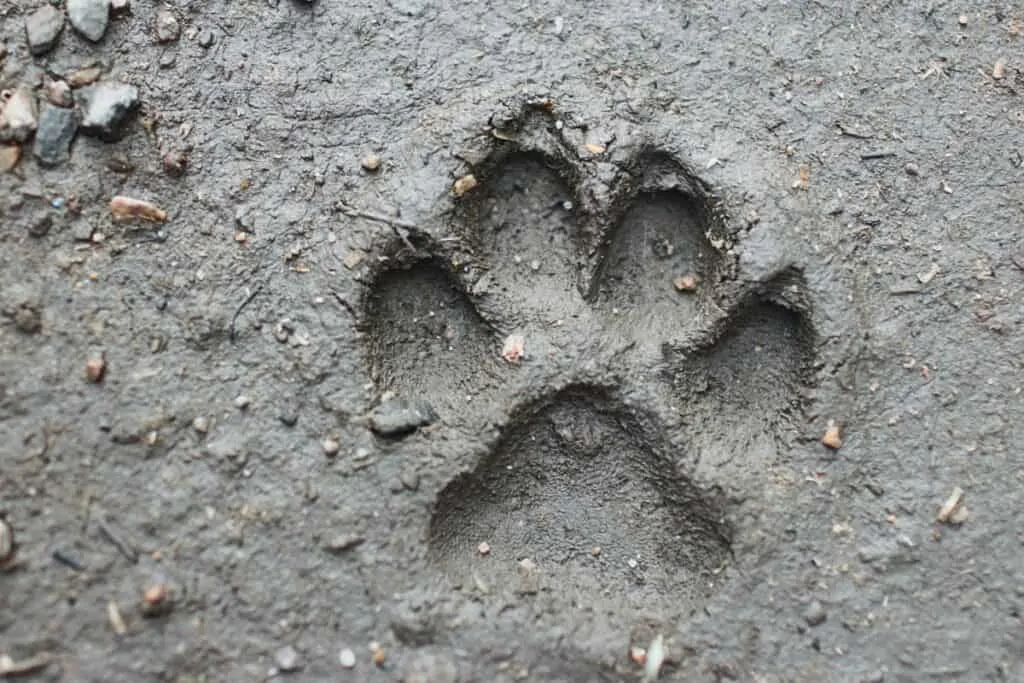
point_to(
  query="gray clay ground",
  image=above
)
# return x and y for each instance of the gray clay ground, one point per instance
(847, 185)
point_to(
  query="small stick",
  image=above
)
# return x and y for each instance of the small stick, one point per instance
(9, 667)
(353, 212)
(68, 561)
(877, 155)
(950, 506)
(843, 130)
(397, 224)
(123, 546)
(116, 622)
(238, 311)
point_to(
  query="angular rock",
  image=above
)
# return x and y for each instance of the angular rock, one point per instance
(89, 17)
(168, 29)
(9, 156)
(400, 416)
(42, 29)
(57, 129)
(19, 117)
(107, 106)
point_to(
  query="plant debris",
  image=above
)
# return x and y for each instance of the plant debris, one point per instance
(10, 667)
(953, 511)
(127, 209)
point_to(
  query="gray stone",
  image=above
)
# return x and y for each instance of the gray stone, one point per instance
(400, 416)
(107, 106)
(815, 614)
(18, 119)
(57, 128)
(89, 17)
(43, 28)
(287, 659)
(168, 29)
(431, 668)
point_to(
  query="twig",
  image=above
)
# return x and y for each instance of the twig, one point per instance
(843, 130)
(877, 155)
(68, 561)
(238, 311)
(123, 546)
(11, 668)
(397, 224)
(379, 217)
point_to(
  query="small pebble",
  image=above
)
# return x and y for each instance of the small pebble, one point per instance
(167, 27)
(89, 17)
(815, 614)
(410, 480)
(9, 157)
(399, 416)
(962, 20)
(347, 658)
(174, 163)
(96, 367)
(157, 601)
(6, 541)
(205, 38)
(911, 169)
(241, 401)
(833, 437)
(57, 129)
(330, 446)
(686, 283)
(42, 29)
(287, 659)
(201, 424)
(371, 163)
(464, 185)
(484, 548)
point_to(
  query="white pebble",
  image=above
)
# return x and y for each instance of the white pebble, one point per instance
(347, 658)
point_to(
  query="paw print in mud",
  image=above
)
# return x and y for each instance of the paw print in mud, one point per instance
(651, 374)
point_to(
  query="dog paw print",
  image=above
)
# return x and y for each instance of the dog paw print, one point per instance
(649, 375)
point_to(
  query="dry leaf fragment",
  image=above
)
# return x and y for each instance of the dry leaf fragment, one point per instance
(594, 148)
(464, 184)
(125, 208)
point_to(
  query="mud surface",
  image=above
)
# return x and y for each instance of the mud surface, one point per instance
(716, 229)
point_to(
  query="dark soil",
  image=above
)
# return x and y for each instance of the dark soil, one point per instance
(843, 190)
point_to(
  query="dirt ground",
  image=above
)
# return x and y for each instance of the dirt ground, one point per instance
(545, 392)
